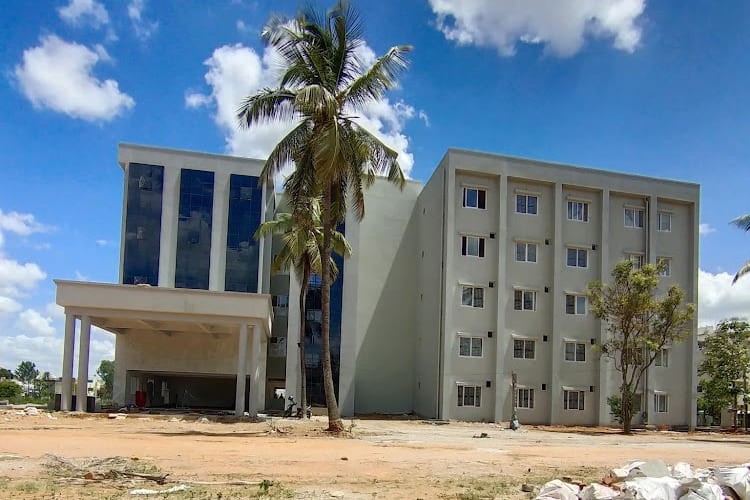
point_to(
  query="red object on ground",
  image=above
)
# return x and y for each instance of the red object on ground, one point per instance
(140, 399)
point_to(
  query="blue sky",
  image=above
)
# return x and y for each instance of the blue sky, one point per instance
(654, 88)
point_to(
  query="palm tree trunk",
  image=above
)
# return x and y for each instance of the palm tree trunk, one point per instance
(302, 323)
(334, 418)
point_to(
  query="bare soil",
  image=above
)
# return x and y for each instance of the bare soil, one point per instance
(285, 458)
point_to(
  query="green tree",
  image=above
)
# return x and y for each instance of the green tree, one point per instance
(301, 237)
(44, 386)
(9, 389)
(639, 324)
(26, 373)
(742, 222)
(324, 85)
(106, 372)
(6, 374)
(726, 361)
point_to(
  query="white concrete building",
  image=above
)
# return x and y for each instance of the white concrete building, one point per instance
(451, 288)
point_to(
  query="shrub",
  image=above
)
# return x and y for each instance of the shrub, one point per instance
(10, 390)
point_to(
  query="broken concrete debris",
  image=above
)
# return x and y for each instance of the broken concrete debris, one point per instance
(655, 480)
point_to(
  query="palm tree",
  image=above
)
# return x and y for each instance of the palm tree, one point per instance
(325, 83)
(742, 222)
(300, 251)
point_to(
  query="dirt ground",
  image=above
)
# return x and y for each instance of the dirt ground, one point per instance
(63, 456)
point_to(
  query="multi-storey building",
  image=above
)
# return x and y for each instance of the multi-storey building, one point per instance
(451, 289)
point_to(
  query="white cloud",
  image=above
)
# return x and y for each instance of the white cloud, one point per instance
(103, 242)
(81, 277)
(84, 11)
(58, 75)
(705, 228)
(236, 71)
(142, 27)
(242, 27)
(8, 305)
(21, 224)
(718, 299)
(30, 321)
(54, 311)
(561, 25)
(17, 278)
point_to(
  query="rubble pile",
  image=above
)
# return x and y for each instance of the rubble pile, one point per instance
(654, 480)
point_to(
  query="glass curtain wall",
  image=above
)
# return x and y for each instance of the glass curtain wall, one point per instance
(143, 224)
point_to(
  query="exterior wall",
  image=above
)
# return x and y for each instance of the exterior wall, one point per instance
(604, 239)
(378, 321)
(428, 349)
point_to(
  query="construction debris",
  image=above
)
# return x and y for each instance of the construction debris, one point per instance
(173, 489)
(655, 480)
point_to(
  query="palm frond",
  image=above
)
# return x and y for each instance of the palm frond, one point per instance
(742, 222)
(745, 269)
(379, 78)
(286, 150)
(265, 106)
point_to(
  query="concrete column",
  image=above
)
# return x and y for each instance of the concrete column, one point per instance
(293, 379)
(170, 208)
(502, 379)
(83, 364)
(558, 296)
(67, 368)
(350, 339)
(255, 390)
(218, 259)
(239, 401)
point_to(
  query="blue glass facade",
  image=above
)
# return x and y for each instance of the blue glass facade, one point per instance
(142, 224)
(194, 229)
(313, 360)
(245, 203)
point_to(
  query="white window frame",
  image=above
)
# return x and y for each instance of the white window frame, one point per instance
(638, 214)
(580, 400)
(662, 358)
(667, 272)
(523, 350)
(481, 245)
(523, 293)
(471, 339)
(579, 304)
(526, 245)
(661, 397)
(474, 289)
(462, 396)
(526, 203)
(667, 216)
(477, 189)
(638, 259)
(578, 251)
(578, 210)
(576, 352)
(529, 400)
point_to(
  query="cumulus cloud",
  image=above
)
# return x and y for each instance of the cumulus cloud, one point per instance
(142, 27)
(31, 321)
(16, 279)
(22, 224)
(236, 71)
(560, 25)
(8, 305)
(718, 299)
(705, 228)
(84, 11)
(57, 75)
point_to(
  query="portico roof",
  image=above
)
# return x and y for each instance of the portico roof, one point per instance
(123, 308)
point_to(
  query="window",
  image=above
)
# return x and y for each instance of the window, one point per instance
(573, 400)
(575, 351)
(575, 304)
(475, 198)
(665, 222)
(578, 210)
(634, 217)
(667, 263)
(525, 252)
(662, 358)
(524, 300)
(470, 347)
(526, 204)
(472, 246)
(661, 402)
(578, 257)
(524, 348)
(472, 296)
(470, 395)
(638, 259)
(637, 403)
(524, 398)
